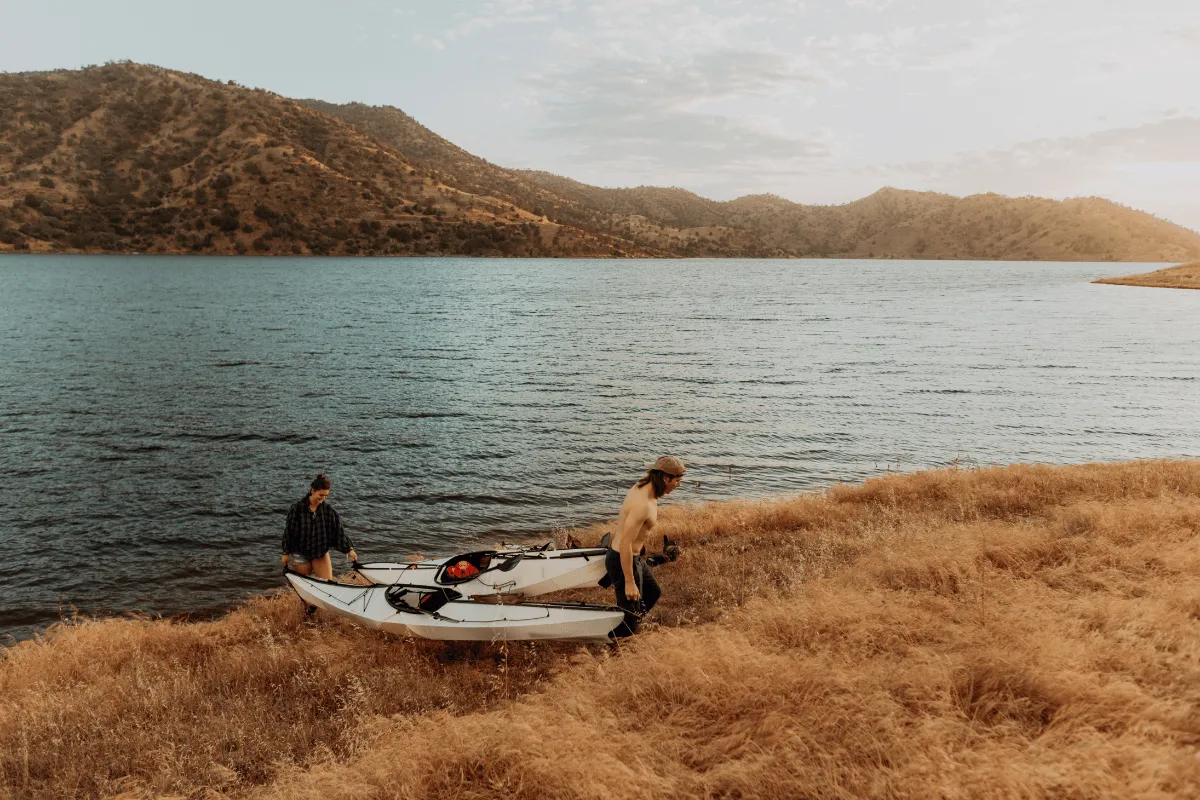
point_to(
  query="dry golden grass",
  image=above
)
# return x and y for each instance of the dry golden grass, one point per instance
(1014, 632)
(1185, 276)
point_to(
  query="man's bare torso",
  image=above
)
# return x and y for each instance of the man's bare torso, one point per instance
(639, 514)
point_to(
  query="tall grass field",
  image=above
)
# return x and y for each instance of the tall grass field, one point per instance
(1015, 632)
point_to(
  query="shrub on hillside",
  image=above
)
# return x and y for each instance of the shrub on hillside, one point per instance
(266, 213)
(227, 222)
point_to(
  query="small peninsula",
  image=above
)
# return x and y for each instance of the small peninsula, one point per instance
(1184, 276)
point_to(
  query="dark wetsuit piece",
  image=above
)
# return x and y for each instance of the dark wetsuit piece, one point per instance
(645, 583)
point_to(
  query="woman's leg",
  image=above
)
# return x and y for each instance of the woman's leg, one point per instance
(323, 567)
(302, 569)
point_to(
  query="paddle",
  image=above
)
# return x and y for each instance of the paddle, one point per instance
(509, 563)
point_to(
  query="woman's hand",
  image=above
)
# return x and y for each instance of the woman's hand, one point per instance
(285, 559)
(353, 556)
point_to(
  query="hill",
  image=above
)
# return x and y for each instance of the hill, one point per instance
(128, 157)
(890, 223)
(1184, 276)
(1017, 632)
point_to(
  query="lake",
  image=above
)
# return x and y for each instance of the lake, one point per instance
(159, 414)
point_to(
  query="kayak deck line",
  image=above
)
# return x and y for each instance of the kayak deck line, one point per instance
(521, 572)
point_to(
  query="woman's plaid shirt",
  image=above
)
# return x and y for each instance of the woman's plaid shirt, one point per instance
(313, 533)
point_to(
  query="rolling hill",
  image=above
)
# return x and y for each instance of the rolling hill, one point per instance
(136, 158)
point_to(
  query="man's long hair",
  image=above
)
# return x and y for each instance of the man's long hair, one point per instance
(658, 479)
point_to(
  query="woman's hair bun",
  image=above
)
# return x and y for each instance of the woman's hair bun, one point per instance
(321, 482)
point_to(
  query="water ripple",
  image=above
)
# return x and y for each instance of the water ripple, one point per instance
(161, 414)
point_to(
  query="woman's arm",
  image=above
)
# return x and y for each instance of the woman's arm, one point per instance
(288, 544)
(341, 541)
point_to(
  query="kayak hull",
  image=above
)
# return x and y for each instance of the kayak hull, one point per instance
(456, 619)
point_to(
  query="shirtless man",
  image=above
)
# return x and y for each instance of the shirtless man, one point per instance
(636, 589)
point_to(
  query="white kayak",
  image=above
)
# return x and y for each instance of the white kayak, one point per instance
(519, 571)
(443, 613)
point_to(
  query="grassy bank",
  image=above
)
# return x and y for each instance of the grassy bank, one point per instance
(1185, 276)
(1011, 632)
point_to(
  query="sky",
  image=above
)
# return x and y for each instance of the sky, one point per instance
(818, 102)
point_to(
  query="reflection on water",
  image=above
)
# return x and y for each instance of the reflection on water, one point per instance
(159, 414)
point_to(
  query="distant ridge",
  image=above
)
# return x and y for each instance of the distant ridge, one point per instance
(135, 158)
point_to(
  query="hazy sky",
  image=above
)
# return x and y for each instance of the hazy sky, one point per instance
(820, 102)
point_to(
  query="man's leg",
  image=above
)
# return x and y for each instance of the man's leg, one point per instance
(612, 562)
(650, 589)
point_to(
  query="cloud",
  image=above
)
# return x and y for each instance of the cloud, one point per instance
(649, 115)
(963, 53)
(426, 41)
(625, 27)
(1173, 140)
(929, 47)
(871, 5)
(515, 12)
(1190, 36)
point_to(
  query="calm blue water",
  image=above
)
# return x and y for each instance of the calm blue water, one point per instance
(158, 415)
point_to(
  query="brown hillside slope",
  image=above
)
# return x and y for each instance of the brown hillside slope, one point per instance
(1185, 276)
(904, 224)
(590, 208)
(136, 158)
(1020, 632)
(128, 157)
(900, 224)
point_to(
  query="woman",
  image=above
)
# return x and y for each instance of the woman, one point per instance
(312, 528)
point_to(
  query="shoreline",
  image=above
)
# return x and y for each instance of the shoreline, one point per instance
(613, 257)
(1183, 276)
(1031, 625)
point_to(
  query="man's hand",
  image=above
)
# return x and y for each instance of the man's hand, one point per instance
(631, 591)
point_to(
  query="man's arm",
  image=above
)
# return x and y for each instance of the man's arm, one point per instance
(634, 521)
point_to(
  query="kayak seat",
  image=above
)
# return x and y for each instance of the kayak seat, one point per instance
(407, 598)
(432, 601)
(455, 571)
